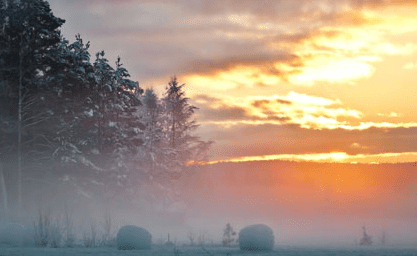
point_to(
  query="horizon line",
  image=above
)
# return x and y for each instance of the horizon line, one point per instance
(331, 157)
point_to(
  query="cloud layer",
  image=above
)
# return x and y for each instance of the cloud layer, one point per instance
(301, 76)
(206, 37)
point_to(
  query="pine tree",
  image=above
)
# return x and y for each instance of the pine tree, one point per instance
(126, 126)
(111, 130)
(168, 142)
(154, 145)
(179, 112)
(28, 30)
(228, 234)
(187, 147)
(67, 89)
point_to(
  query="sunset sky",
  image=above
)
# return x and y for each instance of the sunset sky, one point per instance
(312, 80)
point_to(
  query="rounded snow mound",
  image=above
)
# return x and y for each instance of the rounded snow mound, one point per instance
(258, 237)
(133, 238)
(11, 234)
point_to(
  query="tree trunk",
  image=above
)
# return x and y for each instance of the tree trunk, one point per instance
(100, 131)
(4, 194)
(19, 132)
(173, 131)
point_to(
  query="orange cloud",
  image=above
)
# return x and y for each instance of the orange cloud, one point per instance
(307, 111)
(205, 37)
(343, 53)
(392, 114)
(356, 145)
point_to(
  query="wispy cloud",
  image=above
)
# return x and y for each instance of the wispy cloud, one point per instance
(410, 65)
(392, 114)
(313, 39)
(356, 145)
(308, 112)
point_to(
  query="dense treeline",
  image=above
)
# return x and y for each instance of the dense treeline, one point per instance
(67, 118)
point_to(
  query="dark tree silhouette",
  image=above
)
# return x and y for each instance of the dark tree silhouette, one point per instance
(366, 239)
(28, 31)
(228, 234)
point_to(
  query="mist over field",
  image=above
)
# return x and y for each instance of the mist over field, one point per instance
(312, 203)
(306, 204)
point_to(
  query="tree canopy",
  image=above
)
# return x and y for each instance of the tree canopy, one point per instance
(64, 118)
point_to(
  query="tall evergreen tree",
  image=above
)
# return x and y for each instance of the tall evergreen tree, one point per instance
(66, 93)
(28, 30)
(115, 98)
(180, 126)
(153, 133)
(110, 129)
(168, 141)
(179, 113)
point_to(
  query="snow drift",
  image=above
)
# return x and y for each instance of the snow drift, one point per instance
(12, 234)
(258, 237)
(133, 238)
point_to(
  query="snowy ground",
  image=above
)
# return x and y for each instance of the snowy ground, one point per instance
(214, 251)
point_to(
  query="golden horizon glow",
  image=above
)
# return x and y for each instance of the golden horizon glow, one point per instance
(332, 157)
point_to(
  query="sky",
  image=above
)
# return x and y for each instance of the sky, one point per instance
(315, 80)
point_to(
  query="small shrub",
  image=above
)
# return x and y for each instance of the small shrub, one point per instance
(69, 235)
(55, 233)
(191, 237)
(90, 241)
(176, 252)
(228, 234)
(42, 229)
(48, 231)
(108, 238)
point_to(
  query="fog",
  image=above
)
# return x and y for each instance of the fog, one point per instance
(300, 212)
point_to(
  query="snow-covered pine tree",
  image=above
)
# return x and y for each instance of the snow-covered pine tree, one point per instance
(152, 134)
(27, 31)
(168, 142)
(67, 92)
(113, 130)
(150, 161)
(126, 127)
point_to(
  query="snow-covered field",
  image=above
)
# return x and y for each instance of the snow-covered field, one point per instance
(214, 251)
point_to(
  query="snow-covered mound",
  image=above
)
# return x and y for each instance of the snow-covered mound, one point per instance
(12, 234)
(28, 237)
(133, 238)
(257, 237)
